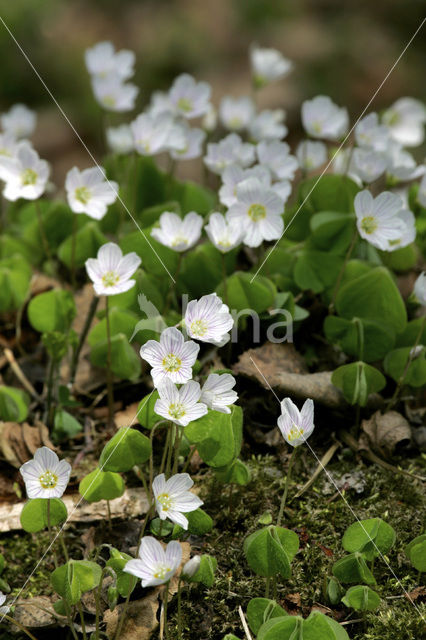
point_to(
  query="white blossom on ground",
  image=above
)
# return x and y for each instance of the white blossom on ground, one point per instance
(229, 150)
(236, 114)
(25, 174)
(45, 476)
(191, 567)
(377, 219)
(276, 156)
(172, 357)
(296, 426)
(217, 392)
(268, 65)
(114, 95)
(153, 134)
(103, 61)
(177, 233)
(154, 565)
(368, 164)
(120, 139)
(180, 406)
(408, 233)
(110, 271)
(189, 98)
(90, 192)
(208, 320)
(173, 498)
(259, 212)
(321, 118)
(371, 134)
(234, 175)
(420, 288)
(406, 120)
(311, 154)
(421, 194)
(222, 234)
(4, 609)
(401, 166)
(193, 145)
(19, 121)
(209, 120)
(268, 125)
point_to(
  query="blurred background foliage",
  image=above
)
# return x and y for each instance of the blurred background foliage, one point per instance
(343, 48)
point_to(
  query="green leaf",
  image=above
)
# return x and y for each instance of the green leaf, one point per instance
(125, 581)
(260, 610)
(321, 627)
(242, 294)
(125, 363)
(154, 290)
(400, 260)
(206, 571)
(281, 628)
(418, 556)
(52, 311)
(335, 591)
(371, 537)
(15, 276)
(126, 449)
(146, 414)
(317, 270)
(270, 551)
(396, 361)
(88, 240)
(192, 197)
(416, 540)
(34, 514)
(202, 270)
(66, 426)
(14, 404)
(361, 598)
(121, 321)
(409, 336)
(217, 436)
(155, 255)
(74, 578)
(378, 340)
(332, 231)
(357, 380)
(373, 296)
(353, 568)
(235, 473)
(199, 523)
(101, 485)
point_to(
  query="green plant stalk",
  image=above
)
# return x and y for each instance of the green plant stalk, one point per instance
(82, 339)
(165, 599)
(287, 482)
(50, 410)
(172, 442)
(73, 243)
(342, 271)
(178, 440)
(189, 458)
(173, 285)
(109, 370)
(43, 236)
(224, 275)
(83, 624)
(49, 528)
(179, 609)
(407, 365)
(123, 616)
(165, 450)
(19, 625)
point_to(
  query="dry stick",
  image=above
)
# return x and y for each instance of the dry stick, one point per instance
(83, 335)
(321, 465)
(407, 364)
(20, 374)
(109, 371)
(18, 624)
(244, 623)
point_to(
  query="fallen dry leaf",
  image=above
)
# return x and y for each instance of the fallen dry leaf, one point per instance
(415, 594)
(127, 417)
(19, 442)
(37, 612)
(383, 432)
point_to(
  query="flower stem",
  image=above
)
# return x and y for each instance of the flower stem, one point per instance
(165, 599)
(83, 624)
(173, 285)
(179, 608)
(109, 370)
(407, 365)
(172, 443)
(224, 274)
(49, 528)
(287, 481)
(19, 625)
(83, 335)
(73, 243)
(342, 271)
(50, 412)
(178, 440)
(123, 615)
(43, 236)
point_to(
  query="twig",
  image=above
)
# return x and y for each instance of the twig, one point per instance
(323, 462)
(244, 623)
(20, 374)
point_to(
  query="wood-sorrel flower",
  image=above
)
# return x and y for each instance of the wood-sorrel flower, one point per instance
(173, 498)
(155, 565)
(45, 476)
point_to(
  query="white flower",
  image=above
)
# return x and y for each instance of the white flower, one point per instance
(193, 147)
(171, 358)
(311, 155)
(368, 164)
(401, 164)
(223, 235)
(377, 219)
(276, 156)
(234, 175)
(114, 95)
(177, 233)
(89, 191)
(102, 61)
(154, 134)
(369, 133)
(25, 174)
(159, 104)
(4, 610)
(415, 352)
(173, 498)
(236, 113)
(282, 189)
(296, 426)
(180, 406)
(268, 65)
(19, 121)
(110, 271)
(229, 150)
(191, 567)
(120, 139)
(408, 233)
(420, 288)
(217, 392)
(268, 125)
(322, 118)
(259, 212)
(45, 476)
(155, 565)
(421, 194)
(341, 162)
(8, 145)
(189, 97)
(406, 119)
(209, 121)
(208, 320)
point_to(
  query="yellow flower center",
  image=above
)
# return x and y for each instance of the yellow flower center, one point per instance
(165, 500)
(28, 177)
(177, 410)
(177, 240)
(199, 328)
(294, 433)
(109, 279)
(184, 104)
(235, 123)
(172, 363)
(109, 101)
(257, 212)
(224, 243)
(369, 224)
(161, 572)
(48, 480)
(82, 194)
(317, 127)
